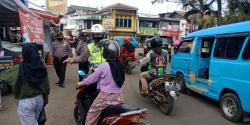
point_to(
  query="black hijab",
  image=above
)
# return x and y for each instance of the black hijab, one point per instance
(31, 69)
(118, 72)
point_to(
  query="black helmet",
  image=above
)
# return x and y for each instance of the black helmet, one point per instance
(156, 42)
(111, 49)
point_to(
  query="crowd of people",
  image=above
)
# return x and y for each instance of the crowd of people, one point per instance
(30, 77)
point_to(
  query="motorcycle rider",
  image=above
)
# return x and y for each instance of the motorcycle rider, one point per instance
(127, 50)
(110, 76)
(157, 60)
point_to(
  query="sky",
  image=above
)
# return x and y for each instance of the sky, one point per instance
(144, 6)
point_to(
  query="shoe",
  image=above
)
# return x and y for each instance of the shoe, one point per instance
(62, 86)
(57, 83)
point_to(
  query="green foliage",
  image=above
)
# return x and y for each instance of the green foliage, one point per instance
(238, 11)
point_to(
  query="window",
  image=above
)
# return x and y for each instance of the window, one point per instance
(246, 53)
(117, 22)
(206, 46)
(228, 48)
(185, 46)
(123, 22)
(129, 23)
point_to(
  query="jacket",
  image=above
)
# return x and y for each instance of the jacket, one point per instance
(24, 90)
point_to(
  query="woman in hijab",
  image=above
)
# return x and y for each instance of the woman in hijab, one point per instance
(110, 77)
(31, 85)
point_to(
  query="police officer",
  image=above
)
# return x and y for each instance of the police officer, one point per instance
(82, 55)
(95, 51)
(61, 50)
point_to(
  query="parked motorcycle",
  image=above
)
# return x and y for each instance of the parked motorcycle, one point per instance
(162, 91)
(122, 114)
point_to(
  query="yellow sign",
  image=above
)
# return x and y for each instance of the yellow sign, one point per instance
(57, 6)
(108, 24)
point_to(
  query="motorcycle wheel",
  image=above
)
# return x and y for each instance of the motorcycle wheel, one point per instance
(167, 105)
(78, 117)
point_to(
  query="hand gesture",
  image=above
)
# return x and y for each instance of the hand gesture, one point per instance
(69, 60)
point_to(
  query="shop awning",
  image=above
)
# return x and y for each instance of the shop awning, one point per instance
(9, 15)
(47, 15)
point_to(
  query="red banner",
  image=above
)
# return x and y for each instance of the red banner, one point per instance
(32, 27)
(170, 33)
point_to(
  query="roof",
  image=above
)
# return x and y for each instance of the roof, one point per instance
(118, 6)
(149, 19)
(73, 8)
(169, 19)
(225, 29)
(182, 13)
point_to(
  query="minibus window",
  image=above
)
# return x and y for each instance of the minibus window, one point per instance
(246, 54)
(185, 46)
(228, 48)
(206, 47)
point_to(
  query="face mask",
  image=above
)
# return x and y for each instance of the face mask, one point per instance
(60, 39)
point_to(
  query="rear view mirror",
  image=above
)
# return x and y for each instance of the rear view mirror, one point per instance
(81, 73)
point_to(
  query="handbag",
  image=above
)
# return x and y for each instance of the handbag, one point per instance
(42, 117)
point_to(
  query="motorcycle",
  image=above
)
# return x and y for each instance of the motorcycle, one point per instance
(122, 114)
(162, 91)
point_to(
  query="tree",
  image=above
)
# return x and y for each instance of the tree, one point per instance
(238, 10)
(199, 8)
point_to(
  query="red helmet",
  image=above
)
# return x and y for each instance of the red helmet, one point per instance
(126, 40)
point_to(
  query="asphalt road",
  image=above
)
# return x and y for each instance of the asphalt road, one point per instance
(189, 109)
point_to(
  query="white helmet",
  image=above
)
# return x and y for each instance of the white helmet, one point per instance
(97, 28)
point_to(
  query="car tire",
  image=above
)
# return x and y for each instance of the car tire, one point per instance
(180, 81)
(230, 107)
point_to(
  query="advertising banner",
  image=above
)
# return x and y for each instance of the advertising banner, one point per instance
(32, 27)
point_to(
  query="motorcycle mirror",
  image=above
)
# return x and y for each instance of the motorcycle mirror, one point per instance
(81, 73)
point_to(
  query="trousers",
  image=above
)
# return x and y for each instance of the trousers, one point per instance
(29, 110)
(60, 68)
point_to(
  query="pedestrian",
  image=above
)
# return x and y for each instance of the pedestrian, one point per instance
(82, 56)
(31, 85)
(61, 50)
(73, 44)
(53, 34)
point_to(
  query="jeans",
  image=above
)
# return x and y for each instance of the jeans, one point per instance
(29, 110)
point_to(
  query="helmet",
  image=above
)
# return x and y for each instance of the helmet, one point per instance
(156, 42)
(98, 32)
(111, 49)
(126, 40)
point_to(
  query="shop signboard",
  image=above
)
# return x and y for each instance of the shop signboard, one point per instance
(170, 33)
(32, 27)
(148, 31)
(57, 6)
(108, 24)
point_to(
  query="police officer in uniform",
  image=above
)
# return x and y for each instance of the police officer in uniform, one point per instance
(95, 51)
(61, 50)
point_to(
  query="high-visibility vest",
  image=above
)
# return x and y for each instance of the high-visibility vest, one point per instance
(95, 54)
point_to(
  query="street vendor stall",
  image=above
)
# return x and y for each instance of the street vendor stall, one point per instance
(20, 25)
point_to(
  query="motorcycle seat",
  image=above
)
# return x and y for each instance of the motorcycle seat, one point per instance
(118, 109)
